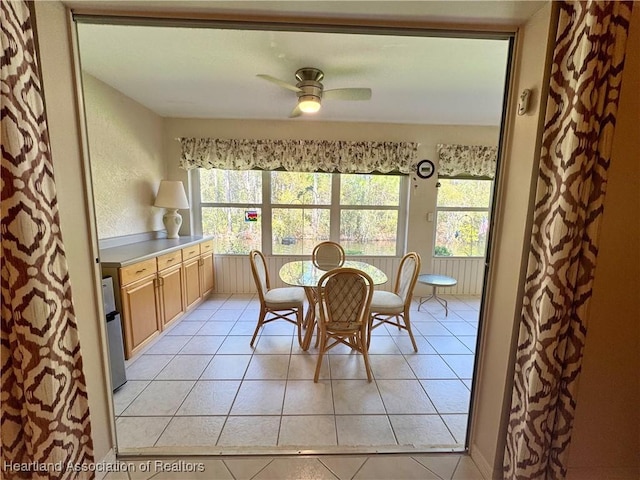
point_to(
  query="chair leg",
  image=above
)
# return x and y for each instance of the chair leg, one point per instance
(263, 313)
(369, 325)
(407, 324)
(317, 327)
(323, 344)
(299, 317)
(365, 354)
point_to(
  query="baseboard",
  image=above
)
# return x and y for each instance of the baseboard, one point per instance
(598, 473)
(485, 467)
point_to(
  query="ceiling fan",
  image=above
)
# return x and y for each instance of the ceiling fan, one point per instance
(310, 90)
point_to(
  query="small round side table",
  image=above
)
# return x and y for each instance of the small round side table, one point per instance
(436, 281)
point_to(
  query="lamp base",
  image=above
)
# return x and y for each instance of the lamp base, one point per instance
(172, 221)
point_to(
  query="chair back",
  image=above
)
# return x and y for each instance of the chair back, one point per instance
(328, 255)
(260, 273)
(407, 276)
(344, 298)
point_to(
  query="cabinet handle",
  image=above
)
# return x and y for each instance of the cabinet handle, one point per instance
(140, 271)
(170, 260)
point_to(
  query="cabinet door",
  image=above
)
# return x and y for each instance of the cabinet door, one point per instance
(191, 282)
(140, 314)
(171, 294)
(206, 274)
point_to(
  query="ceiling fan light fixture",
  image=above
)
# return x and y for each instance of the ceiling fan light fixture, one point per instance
(309, 103)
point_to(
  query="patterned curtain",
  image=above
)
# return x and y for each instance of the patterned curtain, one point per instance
(299, 155)
(581, 111)
(467, 160)
(45, 415)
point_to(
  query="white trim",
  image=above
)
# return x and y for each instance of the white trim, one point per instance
(485, 467)
(196, 213)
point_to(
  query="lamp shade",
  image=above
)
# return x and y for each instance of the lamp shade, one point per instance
(171, 195)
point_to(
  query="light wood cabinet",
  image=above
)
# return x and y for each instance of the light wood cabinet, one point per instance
(190, 252)
(140, 313)
(205, 265)
(137, 271)
(153, 293)
(169, 260)
(192, 281)
(198, 266)
(172, 302)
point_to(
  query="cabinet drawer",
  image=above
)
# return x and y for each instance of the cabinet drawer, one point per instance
(169, 260)
(190, 252)
(137, 271)
(206, 247)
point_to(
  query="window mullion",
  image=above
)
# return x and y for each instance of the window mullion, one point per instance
(196, 202)
(267, 237)
(334, 217)
(403, 213)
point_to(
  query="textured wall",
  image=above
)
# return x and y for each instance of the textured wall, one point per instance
(127, 164)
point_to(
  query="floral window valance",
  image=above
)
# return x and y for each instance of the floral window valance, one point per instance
(298, 155)
(467, 160)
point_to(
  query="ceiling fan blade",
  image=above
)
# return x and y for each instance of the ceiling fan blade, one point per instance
(279, 82)
(296, 112)
(347, 94)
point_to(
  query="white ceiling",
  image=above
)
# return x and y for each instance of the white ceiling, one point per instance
(211, 73)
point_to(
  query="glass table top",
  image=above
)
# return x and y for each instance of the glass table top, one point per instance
(304, 273)
(437, 280)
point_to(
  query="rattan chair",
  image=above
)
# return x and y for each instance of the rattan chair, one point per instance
(342, 311)
(393, 307)
(328, 255)
(281, 303)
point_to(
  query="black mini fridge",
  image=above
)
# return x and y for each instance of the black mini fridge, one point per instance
(114, 335)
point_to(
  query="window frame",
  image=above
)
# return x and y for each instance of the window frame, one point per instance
(335, 208)
(439, 209)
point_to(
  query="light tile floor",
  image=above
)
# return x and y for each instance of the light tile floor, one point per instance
(200, 388)
(330, 467)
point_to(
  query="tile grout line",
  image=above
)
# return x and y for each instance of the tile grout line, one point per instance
(333, 402)
(427, 468)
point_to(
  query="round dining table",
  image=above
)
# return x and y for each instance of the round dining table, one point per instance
(303, 273)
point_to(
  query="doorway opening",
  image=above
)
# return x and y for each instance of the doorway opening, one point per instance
(199, 384)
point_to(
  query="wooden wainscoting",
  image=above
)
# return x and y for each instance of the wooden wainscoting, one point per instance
(468, 271)
(233, 273)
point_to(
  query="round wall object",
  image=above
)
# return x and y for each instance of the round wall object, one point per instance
(425, 169)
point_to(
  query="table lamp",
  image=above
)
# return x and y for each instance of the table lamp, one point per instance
(172, 197)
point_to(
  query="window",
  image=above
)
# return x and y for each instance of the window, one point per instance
(297, 210)
(462, 220)
(300, 214)
(369, 214)
(233, 193)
